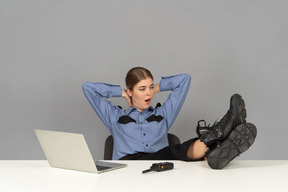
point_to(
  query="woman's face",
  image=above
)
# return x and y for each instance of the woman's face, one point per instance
(142, 94)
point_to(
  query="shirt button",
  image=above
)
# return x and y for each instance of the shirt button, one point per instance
(146, 145)
(144, 134)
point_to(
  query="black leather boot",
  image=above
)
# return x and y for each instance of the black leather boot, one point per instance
(220, 130)
(239, 140)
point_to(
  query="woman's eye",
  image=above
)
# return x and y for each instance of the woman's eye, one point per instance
(141, 89)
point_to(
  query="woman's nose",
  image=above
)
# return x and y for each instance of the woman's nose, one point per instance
(148, 91)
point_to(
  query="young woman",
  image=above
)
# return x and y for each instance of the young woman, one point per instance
(140, 132)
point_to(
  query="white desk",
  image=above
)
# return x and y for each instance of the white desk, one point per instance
(194, 176)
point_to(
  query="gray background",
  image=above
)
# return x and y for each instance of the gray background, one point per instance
(49, 48)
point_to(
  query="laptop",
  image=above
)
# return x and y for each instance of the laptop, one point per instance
(70, 151)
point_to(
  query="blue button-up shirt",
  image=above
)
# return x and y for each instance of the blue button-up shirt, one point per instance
(134, 131)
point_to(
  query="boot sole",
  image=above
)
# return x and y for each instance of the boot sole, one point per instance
(239, 109)
(240, 139)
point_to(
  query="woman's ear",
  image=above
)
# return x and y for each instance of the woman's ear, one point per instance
(129, 92)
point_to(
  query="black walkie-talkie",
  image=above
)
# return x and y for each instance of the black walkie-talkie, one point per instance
(160, 167)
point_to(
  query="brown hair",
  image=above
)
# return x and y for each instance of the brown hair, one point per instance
(135, 75)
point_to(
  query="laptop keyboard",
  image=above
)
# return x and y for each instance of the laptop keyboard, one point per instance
(101, 168)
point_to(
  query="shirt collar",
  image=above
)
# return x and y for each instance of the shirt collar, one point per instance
(131, 109)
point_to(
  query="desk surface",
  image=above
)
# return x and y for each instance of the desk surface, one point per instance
(239, 175)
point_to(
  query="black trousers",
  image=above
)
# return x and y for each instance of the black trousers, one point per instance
(171, 152)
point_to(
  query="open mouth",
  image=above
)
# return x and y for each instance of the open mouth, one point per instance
(147, 100)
